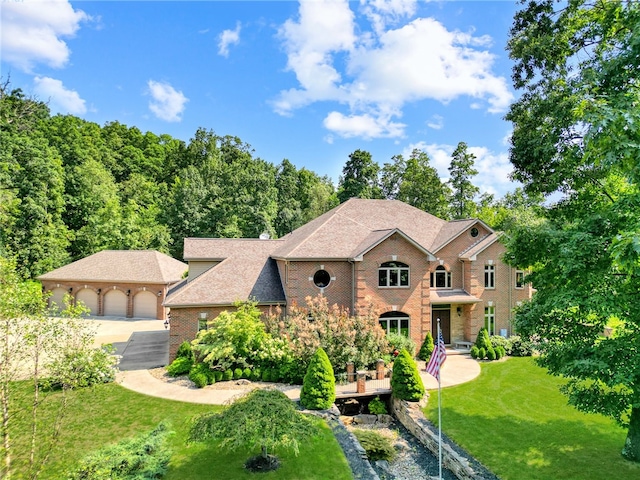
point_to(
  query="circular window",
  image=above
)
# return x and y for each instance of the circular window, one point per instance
(321, 278)
(474, 232)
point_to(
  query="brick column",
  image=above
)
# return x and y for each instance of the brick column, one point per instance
(351, 372)
(380, 370)
(361, 385)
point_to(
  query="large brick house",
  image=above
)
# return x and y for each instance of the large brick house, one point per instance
(413, 266)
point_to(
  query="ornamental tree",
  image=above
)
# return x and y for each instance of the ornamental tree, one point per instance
(576, 131)
(406, 383)
(319, 386)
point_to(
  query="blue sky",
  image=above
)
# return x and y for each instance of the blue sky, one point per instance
(309, 81)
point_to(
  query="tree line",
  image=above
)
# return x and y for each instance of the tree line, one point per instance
(70, 187)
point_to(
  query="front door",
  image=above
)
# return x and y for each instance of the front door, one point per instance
(445, 324)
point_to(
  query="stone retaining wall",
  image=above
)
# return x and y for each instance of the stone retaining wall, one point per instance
(411, 416)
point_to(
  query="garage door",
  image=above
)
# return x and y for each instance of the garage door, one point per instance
(145, 305)
(57, 297)
(90, 300)
(115, 303)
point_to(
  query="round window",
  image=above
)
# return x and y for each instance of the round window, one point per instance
(321, 278)
(474, 232)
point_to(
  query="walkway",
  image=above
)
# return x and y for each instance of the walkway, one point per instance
(457, 369)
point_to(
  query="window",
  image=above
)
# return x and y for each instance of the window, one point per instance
(489, 276)
(395, 322)
(321, 278)
(490, 319)
(519, 279)
(393, 274)
(441, 278)
(474, 232)
(202, 321)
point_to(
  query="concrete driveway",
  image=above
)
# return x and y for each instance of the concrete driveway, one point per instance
(141, 344)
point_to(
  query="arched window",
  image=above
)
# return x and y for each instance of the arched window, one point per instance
(395, 322)
(441, 278)
(393, 274)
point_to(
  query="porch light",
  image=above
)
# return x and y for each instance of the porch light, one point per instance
(166, 324)
(459, 310)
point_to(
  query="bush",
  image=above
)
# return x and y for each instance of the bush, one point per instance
(491, 353)
(199, 378)
(227, 375)
(377, 446)
(202, 375)
(237, 373)
(399, 342)
(474, 352)
(521, 347)
(482, 340)
(256, 375)
(82, 368)
(406, 383)
(499, 341)
(427, 348)
(217, 375)
(377, 407)
(482, 353)
(185, 351)
(180, 366)
(319, 384)
(144, 456)
(246, 373)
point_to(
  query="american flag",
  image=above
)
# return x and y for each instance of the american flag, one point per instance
(438, 356)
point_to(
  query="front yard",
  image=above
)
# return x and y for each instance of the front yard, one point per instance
(514, 420)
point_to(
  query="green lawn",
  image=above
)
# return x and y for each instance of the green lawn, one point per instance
(514, 420)
(109, 412)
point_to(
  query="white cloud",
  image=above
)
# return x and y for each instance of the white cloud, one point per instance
(493, 168)
(60, 99)
(382, 70)
(167, 103)
(364, 126)
(436, 122)
(33, 32)
(226, 38)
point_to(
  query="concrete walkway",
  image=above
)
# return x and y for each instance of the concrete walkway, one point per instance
(457, 369)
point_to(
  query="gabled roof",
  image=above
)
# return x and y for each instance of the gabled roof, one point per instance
(121, 266)
(481, 245)
(246, 271)
(343, 232)
(454, 229)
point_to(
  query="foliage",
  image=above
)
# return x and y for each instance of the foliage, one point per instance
(482, 339)
(180, 366)
(463, 191)
(377, 446)
(144, 457)
(500, 341)
(427, 347)
(359, 177)
(398, 342)
(345, 338)
(319, 385)
(521, 347)
(202, 375)
(406, 383)
(185, 351)
(377, 407)
(474, 352)
(576, 131)
(264, 419)
(85, 367)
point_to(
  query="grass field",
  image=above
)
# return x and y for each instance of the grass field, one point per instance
(108, 413)
(514, 420)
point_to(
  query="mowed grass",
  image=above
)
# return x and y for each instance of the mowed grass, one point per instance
(108, 413)
(514, 420)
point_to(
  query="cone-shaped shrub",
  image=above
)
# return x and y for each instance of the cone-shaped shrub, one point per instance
(319, 385)
(427, 348)
(406, 383)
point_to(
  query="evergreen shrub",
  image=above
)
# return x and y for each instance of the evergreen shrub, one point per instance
(227, 375)
(377, 407)
(377, 446)
(217, 375)
(180, 366)
(246, 373)
(406, 383)
(237, 373)
(482, 353)
(399, 342)
(427, 347)
(474, 352)
(319, 384)
(491, 353)
(185, 351)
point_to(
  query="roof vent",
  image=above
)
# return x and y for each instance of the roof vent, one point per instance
(264, 236)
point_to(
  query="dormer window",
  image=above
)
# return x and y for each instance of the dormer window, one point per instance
(441, 278)
(393, 274)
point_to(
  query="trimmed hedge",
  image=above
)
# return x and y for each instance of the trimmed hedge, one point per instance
(427, 347)
(319, 384)
(406, 383)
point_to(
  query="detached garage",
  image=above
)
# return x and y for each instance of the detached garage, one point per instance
(117, 283)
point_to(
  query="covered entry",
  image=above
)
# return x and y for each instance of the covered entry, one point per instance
(442, 312)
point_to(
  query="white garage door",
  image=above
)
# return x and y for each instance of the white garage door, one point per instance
(90, 300)
(115, 303)
(57, 297)
(145, 305)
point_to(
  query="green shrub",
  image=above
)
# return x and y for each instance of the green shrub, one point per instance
(499, 341)
(377, 446)
(217, 375)
(377, 407)
(406, 383)
(427, 347)
(198, 378)
(266, 375)
(474, 352)
(202, 375)
(319, 385)
(82, 367)
(227, 375)
(246, 373)
(491, 353)
(185, 351)
(499, 352)
(482, 353)
(237, 373)
(180, 366)
(399, 342)
(256, 375)
(482, 340)
(142, 457)
(521, 347)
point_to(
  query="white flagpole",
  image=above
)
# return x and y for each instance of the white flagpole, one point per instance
(439, 416)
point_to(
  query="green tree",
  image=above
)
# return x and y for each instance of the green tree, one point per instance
(264, 419)
(427, 347)
(319, 385)
(464, 192)
(406, 383)
(576, 131)
(359, 177)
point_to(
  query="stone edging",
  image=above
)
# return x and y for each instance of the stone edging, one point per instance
(411, 416)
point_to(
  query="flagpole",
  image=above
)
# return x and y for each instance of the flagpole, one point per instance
(439, 417)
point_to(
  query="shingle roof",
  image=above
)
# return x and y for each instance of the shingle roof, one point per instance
(246, 271)
(340, 233)
(130, 266)
(480, 245)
